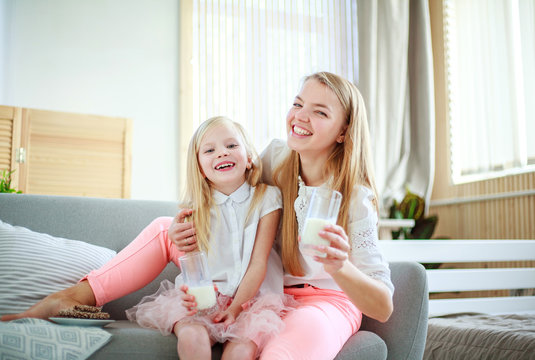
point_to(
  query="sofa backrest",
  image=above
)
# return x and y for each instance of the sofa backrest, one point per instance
(111, 223)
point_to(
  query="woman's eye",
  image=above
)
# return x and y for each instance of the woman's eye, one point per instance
(297, 105)
(321, 113)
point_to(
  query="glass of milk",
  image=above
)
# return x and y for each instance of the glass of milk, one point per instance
(322, 210)
(197, 277)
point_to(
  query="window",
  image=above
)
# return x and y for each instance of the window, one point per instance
(490, 64)
(248, 57)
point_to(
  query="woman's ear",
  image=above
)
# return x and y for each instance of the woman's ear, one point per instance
(340, 139)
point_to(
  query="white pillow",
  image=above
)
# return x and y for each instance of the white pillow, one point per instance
(41, 339)
(34, 265)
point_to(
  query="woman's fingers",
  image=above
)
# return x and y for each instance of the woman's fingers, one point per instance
(337, 237)
(181, 233)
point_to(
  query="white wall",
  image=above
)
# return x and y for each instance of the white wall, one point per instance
(105, 57)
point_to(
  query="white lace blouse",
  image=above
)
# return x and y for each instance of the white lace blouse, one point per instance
(365, 253)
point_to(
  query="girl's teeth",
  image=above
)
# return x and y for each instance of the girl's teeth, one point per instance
(223, 166)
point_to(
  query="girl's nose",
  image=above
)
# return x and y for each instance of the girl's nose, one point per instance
(223, 152)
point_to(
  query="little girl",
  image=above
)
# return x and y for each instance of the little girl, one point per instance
(236, 221)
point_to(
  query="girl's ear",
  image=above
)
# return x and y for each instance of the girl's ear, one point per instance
(249, 162)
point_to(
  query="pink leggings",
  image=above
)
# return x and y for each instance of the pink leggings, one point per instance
(136, 265)
(317, 329)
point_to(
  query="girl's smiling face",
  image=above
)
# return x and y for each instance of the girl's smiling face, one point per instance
(223, 158)
(316, 121)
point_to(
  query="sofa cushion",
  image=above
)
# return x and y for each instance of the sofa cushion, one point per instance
(41, 339)
(33, 265)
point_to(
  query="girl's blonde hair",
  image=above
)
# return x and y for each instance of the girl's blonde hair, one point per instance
(198, 190)
(350, 163)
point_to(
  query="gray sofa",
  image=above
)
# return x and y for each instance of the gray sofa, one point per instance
(113, 223)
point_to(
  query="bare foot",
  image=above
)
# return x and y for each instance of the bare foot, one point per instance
(45, 308)
(79, 294)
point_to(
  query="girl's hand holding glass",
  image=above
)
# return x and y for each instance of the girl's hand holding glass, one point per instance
(198, 281)
(189, 301)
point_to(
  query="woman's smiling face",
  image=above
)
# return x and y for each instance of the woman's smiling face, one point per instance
(223, 158)
(315, 121)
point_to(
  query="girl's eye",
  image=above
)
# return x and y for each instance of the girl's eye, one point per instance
(232, 146)
(208, 151)
(321, 113)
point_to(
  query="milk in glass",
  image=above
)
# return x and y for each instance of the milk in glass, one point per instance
(204, 296)
(322, 210)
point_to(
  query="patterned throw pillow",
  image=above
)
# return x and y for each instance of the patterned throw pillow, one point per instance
(34, 265)
(41, 339)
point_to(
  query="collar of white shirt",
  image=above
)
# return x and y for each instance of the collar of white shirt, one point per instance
(239, 195)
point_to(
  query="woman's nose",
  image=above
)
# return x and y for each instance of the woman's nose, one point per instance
(302, 115)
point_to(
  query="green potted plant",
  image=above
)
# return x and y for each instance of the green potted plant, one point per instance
(5, 183)
(413, 207)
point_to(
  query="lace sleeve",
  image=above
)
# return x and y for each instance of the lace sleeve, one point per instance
(363, 236)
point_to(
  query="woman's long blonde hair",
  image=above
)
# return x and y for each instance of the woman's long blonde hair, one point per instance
(198, 190)
(350, 163)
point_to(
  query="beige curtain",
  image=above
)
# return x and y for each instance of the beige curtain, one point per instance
(396, 80)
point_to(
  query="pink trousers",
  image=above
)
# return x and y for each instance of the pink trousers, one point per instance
(317, 329)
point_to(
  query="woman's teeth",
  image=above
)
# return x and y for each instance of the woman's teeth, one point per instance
(301, 131)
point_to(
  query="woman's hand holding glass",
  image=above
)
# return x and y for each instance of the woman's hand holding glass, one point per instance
(337, 253)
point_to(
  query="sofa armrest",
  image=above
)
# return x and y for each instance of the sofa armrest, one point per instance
(406, 330)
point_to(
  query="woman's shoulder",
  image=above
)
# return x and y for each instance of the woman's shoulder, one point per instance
(363, 204)
(272, 156)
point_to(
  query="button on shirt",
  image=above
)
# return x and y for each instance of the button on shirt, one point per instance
(231, 240)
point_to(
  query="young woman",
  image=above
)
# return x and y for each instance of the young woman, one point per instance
(327, 145)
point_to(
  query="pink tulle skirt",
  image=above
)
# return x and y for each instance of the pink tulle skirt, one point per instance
(259, 321)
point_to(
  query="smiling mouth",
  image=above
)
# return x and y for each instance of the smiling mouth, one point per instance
(300, 131)
(225, 165)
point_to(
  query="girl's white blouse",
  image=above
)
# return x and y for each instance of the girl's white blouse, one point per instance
(363, 234)
(232, 240)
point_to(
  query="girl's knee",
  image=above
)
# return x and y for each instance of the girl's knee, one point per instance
(192, 339)
(239, 350)
(190, 331)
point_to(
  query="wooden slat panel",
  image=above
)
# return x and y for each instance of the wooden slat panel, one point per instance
(441, 251)
(76, 154)
(6, 133)
(499, 305)
(6, 112)
(480, 279)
